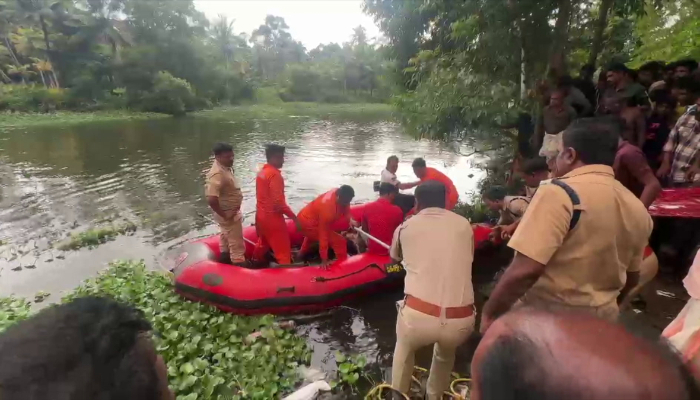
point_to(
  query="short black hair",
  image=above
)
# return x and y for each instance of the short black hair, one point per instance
(689, 63)
(670, 66)
(513, 369)
(495, 193)
(431, 194)
(534, 165)
(392, 158)
(386, 188)
(221, 148)
(272, 150)
(92, 345)
(594, 139)
(418, 163)
(346, 192)
(618, 67)
(655, 67)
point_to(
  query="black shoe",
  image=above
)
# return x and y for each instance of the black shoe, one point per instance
(225, 257)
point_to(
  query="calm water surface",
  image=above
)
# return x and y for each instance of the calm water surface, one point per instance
(60, 180)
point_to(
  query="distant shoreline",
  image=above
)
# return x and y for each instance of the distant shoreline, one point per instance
(293, 109)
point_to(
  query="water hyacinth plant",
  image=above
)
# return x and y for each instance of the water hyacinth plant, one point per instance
(96, 236)
(13, 310)
(210, 354)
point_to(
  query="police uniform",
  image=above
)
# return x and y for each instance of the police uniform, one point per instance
(222, 184)
(513, 209)
(585, 266)
(437, 249)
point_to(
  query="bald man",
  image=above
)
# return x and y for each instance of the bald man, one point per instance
(533, 354)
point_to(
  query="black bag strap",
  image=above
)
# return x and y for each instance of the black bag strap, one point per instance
(574, 200)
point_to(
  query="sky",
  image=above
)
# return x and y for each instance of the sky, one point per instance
(311, 22)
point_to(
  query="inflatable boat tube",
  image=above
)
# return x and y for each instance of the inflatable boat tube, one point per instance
(283, 289)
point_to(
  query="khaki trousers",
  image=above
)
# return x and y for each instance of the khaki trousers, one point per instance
(647, 272)
(231, 238)
(415, 330)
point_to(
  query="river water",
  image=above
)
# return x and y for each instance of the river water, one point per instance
(55, 181)
(61, 180)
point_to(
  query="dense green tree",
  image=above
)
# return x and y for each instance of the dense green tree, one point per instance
(165, 56)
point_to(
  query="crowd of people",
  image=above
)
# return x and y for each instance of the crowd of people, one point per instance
(580, 231)
(655, 106)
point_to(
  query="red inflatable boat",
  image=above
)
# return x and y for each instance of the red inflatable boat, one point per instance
(284, 289)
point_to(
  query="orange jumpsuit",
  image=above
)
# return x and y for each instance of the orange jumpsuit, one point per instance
(452, 195)
(269, 218)
(316, 220)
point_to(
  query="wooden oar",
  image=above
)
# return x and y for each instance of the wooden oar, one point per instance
(379, 242)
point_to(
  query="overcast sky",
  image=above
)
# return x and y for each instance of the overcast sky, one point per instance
(310, 21)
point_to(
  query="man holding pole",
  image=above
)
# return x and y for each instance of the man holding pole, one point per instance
(437, 249)
(380, 219)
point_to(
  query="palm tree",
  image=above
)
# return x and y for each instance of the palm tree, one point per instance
(40, 11)
(223, 37)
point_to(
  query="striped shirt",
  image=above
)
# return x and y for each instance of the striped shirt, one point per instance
(684, 143)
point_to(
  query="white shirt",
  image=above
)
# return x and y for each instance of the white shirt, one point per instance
(389, 177)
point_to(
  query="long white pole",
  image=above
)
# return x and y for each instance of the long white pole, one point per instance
(379, 242)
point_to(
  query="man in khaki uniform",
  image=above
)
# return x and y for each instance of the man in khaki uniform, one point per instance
(224, 197)
(577, 256)
(510, 208)
(438, 307)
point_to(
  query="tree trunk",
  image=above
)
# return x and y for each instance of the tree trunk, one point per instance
(601, 23)
(557, 55)
(560, 38)
(523, 67)
(45, 30)
(12, 51)
(41, 73)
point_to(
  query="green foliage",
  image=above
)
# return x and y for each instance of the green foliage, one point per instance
(13, 310)
(210, 354)
(450, 103)
(170, 95)
(350, 369)
(63, 118)
(477, 212)
(96, 236)
(31, 98)
(267, 95)
(670, 33)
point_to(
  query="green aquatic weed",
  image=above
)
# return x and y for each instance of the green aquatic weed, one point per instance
(94, 237)
(210, 354)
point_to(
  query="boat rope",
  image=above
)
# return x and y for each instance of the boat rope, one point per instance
(377, 391)
(324, 279)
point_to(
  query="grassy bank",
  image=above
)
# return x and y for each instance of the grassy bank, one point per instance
(296, 110)
(364, 111)
(62, 118)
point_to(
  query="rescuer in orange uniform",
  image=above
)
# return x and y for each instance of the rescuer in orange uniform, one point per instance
(317, 218)
(272, 208)
(425, 173)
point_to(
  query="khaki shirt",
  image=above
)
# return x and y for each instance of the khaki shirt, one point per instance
(530, 191)
(586, 266)
(437, 248)
(222, 184)
(513, 209)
